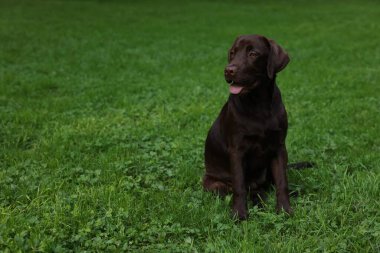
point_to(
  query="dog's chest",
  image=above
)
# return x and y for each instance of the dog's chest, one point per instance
(263, 139)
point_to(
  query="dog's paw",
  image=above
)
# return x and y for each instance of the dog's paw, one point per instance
(286, 208)
(240, 215)
(240, 212)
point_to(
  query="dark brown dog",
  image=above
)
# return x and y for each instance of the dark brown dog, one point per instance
(245, 148)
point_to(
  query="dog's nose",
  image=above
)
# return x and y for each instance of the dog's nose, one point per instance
(230, 70)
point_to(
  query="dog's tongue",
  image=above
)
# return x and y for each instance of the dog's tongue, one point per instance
(235, 89)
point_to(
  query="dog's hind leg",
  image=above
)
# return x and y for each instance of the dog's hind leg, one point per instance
(216, 186)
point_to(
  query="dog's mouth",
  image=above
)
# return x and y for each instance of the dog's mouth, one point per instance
(234, 88)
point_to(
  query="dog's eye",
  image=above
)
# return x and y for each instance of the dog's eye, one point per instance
(231, 54)
(253, 53)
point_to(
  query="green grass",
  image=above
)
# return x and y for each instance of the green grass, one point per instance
(105, 106)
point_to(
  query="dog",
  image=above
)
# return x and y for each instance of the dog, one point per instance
(245, 149)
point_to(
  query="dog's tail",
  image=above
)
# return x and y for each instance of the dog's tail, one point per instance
(301, 165)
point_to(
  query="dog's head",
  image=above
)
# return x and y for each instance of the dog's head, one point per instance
(253, 58)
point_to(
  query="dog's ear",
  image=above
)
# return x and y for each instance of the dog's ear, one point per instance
(277, 59)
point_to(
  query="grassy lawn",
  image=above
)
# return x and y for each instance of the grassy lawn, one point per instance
(105, 106)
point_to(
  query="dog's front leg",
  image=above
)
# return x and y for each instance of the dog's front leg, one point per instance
(278, 166)
(239, 189)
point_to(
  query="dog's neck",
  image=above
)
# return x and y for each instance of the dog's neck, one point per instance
(258, 99)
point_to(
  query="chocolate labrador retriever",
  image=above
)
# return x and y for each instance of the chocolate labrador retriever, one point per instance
(245, 148)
